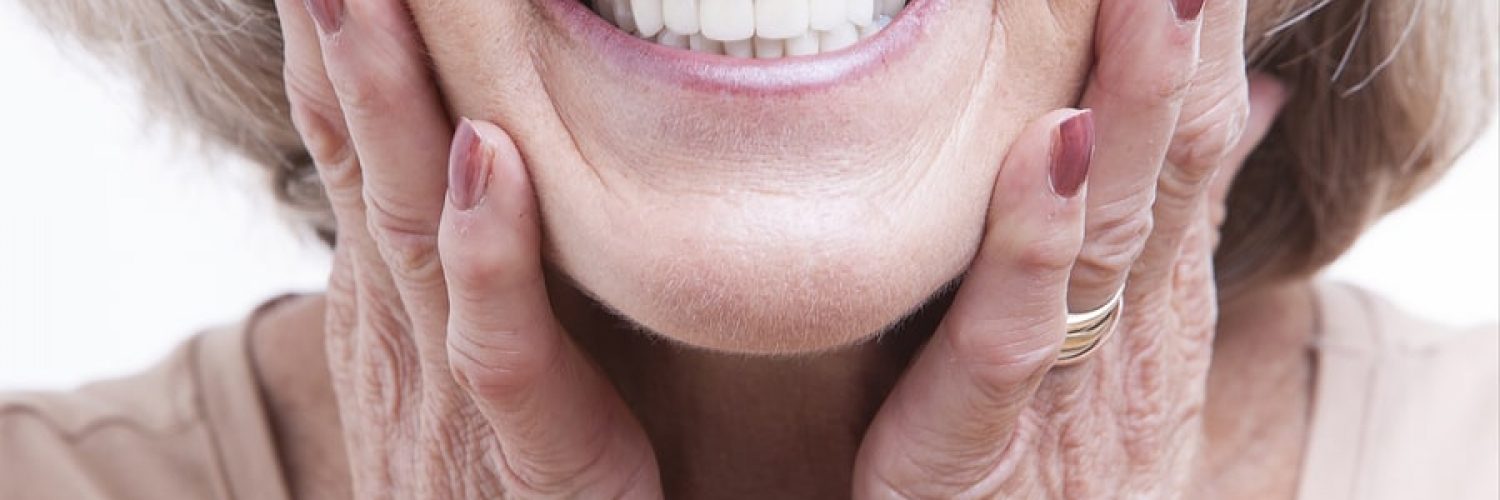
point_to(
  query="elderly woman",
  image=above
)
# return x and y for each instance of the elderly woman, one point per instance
(805, 249)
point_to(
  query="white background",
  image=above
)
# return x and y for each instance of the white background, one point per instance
(117, 242)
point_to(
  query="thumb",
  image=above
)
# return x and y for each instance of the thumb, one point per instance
(956, 408)
(562, 429)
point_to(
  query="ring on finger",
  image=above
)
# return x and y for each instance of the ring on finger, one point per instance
(1088, 330)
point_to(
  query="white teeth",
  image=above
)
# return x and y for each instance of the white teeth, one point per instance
(674, 40)
(680, 15)
(780, 18)
(765, 29)
(739, 48)
(769, 49)
(862, 12)
(700, 43)
(824, 15)
(839, 38)
(727, 19)
(648, 16)
(804, 45)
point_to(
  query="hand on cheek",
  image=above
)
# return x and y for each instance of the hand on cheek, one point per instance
(452, 377)
(983, 412)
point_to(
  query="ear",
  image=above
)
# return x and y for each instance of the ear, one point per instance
(1267, 96)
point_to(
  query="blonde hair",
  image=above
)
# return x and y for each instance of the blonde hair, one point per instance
(1386, 94)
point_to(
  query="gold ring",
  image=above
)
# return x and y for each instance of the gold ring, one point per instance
(1088, 330)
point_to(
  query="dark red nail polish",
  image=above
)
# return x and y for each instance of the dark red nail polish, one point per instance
(468, 167)
(329, 14)
(1072, 154)
(1187, 10)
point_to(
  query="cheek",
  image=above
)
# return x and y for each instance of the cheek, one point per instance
(1048, 48)
(481, 52)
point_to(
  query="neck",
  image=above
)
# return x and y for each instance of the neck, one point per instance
(1260, 388)
(731, 425)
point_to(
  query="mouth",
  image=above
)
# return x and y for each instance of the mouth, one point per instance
(760, 29)
(748, 47)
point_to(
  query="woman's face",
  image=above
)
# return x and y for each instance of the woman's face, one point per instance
(773, 206)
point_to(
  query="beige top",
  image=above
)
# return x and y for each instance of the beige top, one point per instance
(1404, 409)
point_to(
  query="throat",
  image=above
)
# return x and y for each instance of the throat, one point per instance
(735, 426)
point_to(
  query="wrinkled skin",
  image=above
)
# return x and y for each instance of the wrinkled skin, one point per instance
(455, 379)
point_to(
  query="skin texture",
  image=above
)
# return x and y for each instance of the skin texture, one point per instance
(749, 222)
(462, 368)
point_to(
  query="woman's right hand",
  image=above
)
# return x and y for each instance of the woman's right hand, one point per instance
(453, 378)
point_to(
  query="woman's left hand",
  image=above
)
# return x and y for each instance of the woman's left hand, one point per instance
(982, 412)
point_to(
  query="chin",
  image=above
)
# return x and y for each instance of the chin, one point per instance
(769, 276)
(760, 202)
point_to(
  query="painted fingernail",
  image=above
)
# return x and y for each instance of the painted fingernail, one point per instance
(329, 14)
(1187, 10)
(1073, 153)
(468, 167)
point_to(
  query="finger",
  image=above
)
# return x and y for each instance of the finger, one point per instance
(1147, 54)
(1267, 97)
(363, 296)
(369, 350)
(400, 133)
(1212, 121)
(1184, 203)
(563, 430)
(317, 117)
(956, 408)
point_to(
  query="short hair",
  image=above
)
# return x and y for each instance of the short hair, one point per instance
(1385, 94)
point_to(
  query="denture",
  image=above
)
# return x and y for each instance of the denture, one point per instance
(764, 29)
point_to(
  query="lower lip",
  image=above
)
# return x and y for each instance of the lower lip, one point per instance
(734, 75)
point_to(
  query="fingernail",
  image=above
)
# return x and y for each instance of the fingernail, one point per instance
(1073, 153)
(329, 14)
(1187, 10)
(468, 167)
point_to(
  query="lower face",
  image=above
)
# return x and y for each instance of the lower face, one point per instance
(799, 195)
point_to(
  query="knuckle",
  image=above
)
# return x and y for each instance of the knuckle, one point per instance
(1208, 132)
(370, 87)
(1001, 354)
(327, 143)
(497, 365)
(474, 268)
(1047, 253)
(361, 93)
(1114, 243)
(408, 245)
(1046, 257)
(1178, 188)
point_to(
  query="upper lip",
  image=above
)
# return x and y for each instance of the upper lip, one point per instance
(741, 75)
